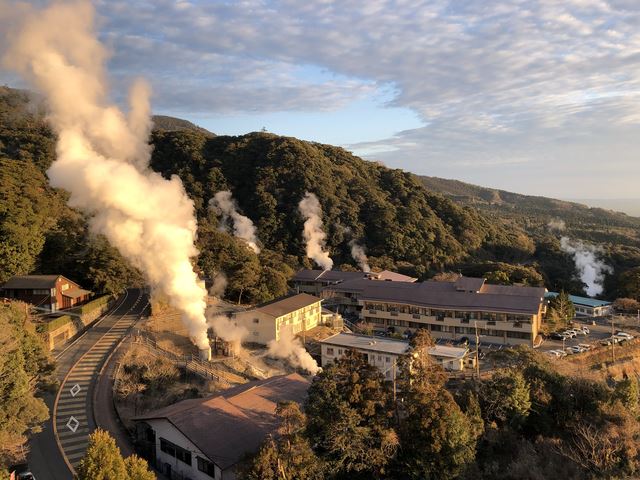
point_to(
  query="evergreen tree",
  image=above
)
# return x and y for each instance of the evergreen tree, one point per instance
(561, 309)
(505, 398)
(103, 460)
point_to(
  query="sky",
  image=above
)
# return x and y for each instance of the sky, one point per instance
(533, 96)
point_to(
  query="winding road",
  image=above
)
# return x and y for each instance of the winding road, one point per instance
(57, 450)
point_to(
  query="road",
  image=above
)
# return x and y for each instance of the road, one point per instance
(56, 450)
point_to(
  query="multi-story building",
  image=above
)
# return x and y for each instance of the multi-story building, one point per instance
(314, 281)
(344, 300)
(45, 292)
(267, 321)
(384, 352)
(451, 310)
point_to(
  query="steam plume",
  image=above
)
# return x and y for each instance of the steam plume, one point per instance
(224, 328)
(290, 348)
(219, 285)
(591, 269)
(103, 155)
(243, 227)
(358, 254)
(314, 237)
(557, 225)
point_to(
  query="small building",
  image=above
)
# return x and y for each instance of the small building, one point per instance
(266, 322)
(384, 352)
(586, 306)
(452, 358)
(45, 292)
(206, 438)
(381, 352)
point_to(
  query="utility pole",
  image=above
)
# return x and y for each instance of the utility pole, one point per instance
(613, 344)
(394, 380)
(475, 324)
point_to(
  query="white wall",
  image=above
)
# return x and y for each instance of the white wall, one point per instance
(167, 431)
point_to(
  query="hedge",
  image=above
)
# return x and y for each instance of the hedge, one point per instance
(53, 324)
(92, 305)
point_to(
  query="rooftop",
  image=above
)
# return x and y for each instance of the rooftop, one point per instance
(449, 352)
(337, 276)
(448, 296)
(227, 426)
(364, 342)
(585, 301)
(283, 306)
(32, 281)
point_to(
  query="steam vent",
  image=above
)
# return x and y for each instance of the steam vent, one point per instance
(205, 354)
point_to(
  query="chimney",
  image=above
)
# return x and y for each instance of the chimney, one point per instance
(205, 354)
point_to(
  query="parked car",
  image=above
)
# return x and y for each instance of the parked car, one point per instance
(556, 353)
(586, 346)
(575, 349)
(557, 336)
(570, 333)
(608, 341)
(626, 335)
(586, 330)
(26, 476)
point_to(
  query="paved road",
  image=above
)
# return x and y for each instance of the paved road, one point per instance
(79, 365)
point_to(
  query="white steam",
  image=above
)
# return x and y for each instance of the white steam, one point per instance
(227, 330)
(591, 269)
(219, 285)
(243, 227)
(359, 255)
(310, 209)
(556, 225)
(290, 348)
(103, 154)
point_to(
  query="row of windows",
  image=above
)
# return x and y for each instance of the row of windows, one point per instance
(331, 351)
(446, 328)
(462, 315)
(174, 450)
(206, 467)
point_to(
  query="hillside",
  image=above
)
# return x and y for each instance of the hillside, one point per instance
(164, 122)
(404, 222)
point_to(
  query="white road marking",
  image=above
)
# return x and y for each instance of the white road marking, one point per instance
(73, 424)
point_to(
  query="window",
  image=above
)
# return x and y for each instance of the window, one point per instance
(175, 451)
(339, 351)
(330, 351)
(41, 292)
(64, 287)
(387, 359)
(379, 358)
(256, 320)
(206, 467)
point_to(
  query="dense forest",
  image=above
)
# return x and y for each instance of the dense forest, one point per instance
(404, 223)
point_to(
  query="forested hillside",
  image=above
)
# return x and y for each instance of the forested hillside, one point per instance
(402, 223)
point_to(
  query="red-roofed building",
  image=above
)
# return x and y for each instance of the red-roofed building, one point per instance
(206, 438)
(45, 292)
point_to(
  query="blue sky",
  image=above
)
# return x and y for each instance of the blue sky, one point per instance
(533, 96)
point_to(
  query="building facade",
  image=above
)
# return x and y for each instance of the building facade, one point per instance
(45, 292)
(384, 353)
(206, 438)
(266, 322)
(452, 310)
(587, 307)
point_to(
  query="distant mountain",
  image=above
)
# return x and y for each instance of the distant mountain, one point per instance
(630, 206)
(534, 213)
(164, 122)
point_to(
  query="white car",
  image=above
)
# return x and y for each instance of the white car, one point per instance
(624, 335)
(586, 330)
(585, 346)
(556, 353)
(570, 333)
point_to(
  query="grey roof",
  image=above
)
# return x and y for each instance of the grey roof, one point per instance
(448, 352)
(31, 281)
(364, 342)
(469, 284)
(508, 299)
(236, 422)
(283, 306)
(335, 276)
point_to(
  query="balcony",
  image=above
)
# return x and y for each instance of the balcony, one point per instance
(394, 314)
(416, 316)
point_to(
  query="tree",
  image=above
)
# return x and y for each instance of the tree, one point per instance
(103, 461)
(437, 439)
(629, 283)
(561, 310)
(24, 367)
(505, 398)
(138, 468)
(289, 455)
(628, 305)
(349, 419)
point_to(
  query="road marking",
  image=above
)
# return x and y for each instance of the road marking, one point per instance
(75, 390)
(73, 424)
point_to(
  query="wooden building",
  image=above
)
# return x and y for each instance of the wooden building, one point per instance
(45, 292)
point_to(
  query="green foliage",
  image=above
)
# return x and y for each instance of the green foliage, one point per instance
(289, 455)
(349, 419)
(103, 461)
(505, 399)
(629, 284)
(24, 367)
(561, 310)
(53, 324)
(628, 393)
